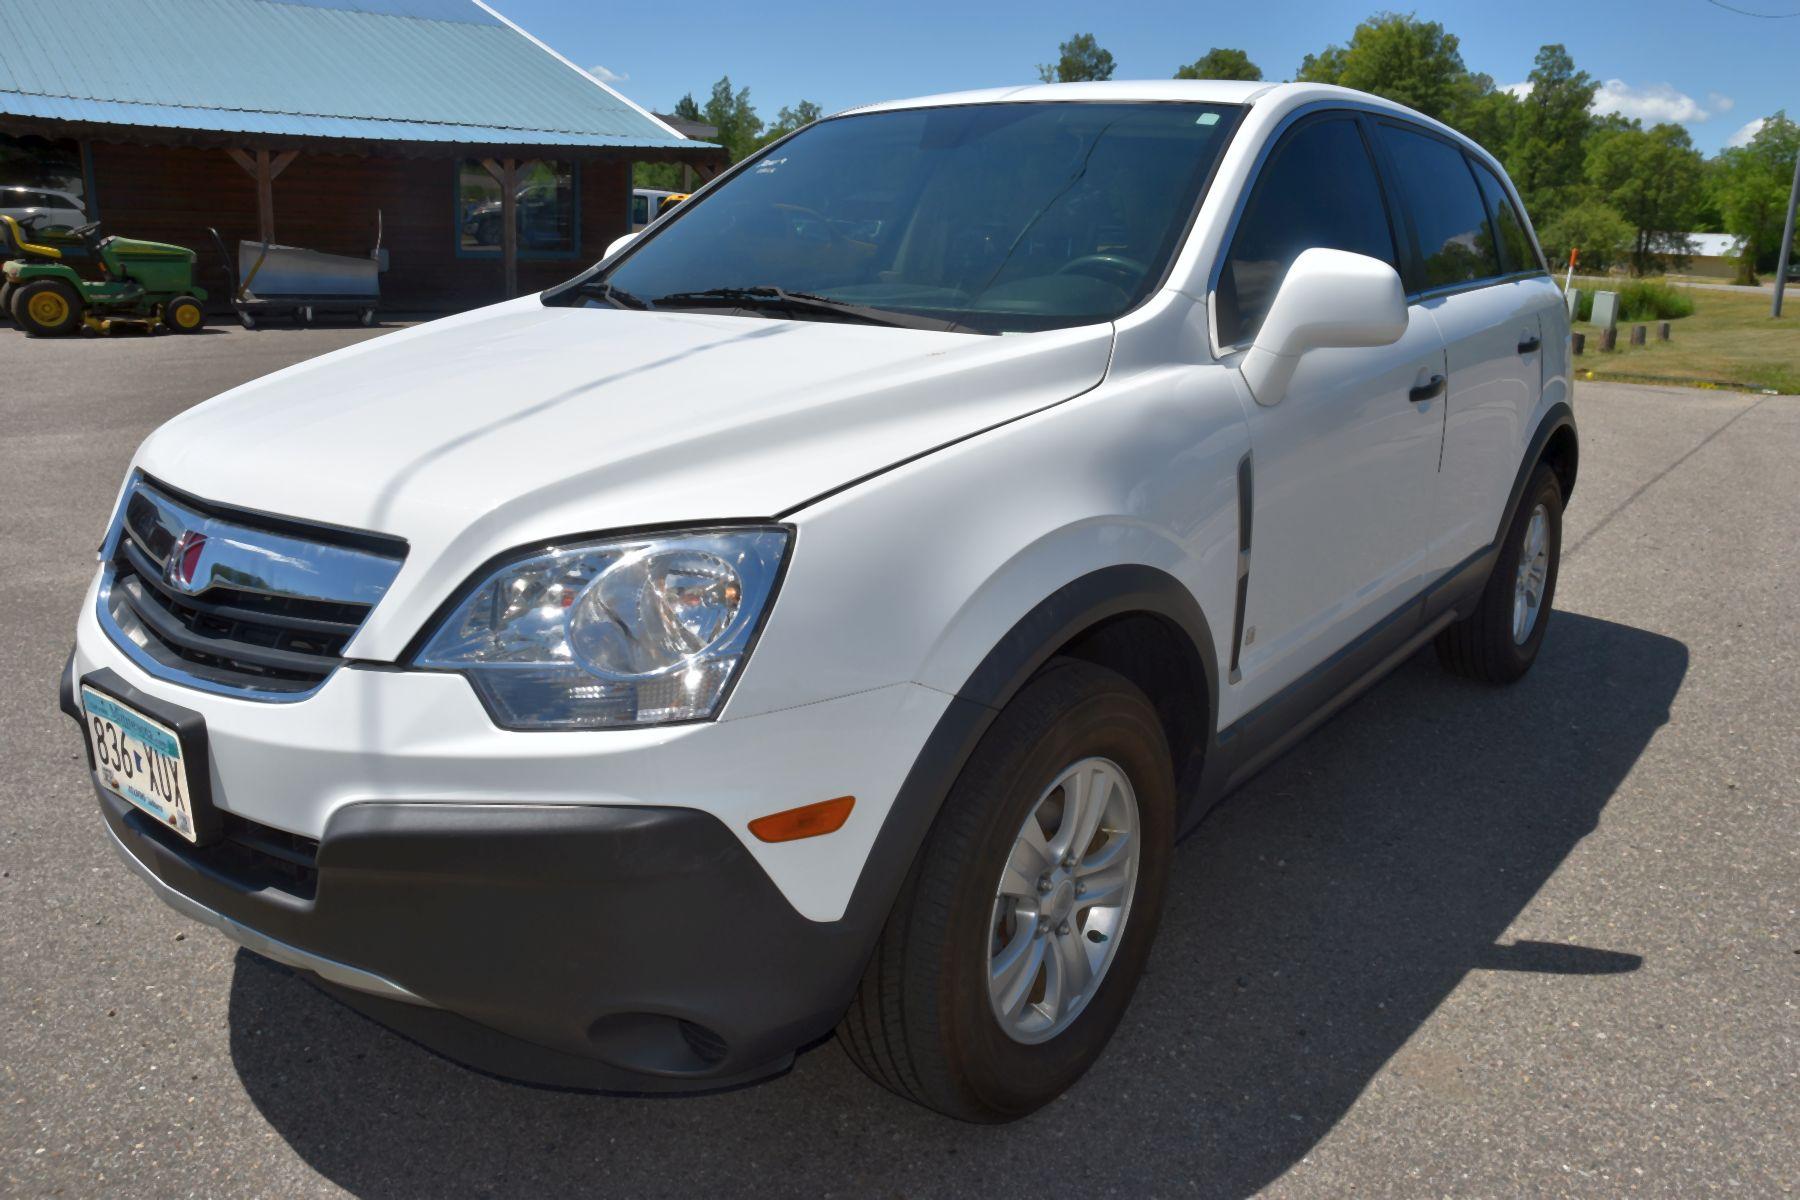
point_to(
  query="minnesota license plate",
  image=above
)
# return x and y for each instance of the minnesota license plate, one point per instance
(139, 760)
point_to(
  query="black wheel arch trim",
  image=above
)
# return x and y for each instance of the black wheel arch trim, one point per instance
(1560, 416)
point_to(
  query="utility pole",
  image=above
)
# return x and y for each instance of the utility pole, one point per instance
(1787, 242)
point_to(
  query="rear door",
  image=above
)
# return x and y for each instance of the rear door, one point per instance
(1343, 467)
(1486, 306)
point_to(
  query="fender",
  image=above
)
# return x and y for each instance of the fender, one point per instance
(1071, 609)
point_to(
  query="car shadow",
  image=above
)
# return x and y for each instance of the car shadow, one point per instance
(1315, 922)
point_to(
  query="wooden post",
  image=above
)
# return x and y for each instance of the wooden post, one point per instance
(1609, 340)
(1637, 335)
(506, 174)
(1662, 332)
(1580, 341)
(264, 168)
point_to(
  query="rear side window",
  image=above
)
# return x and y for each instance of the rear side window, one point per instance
(1517, 253)
(1318, 188)
(1456, 244)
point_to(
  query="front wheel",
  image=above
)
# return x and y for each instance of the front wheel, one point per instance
(183, 314)
(46, 307)
(1019, 938)
(1498, 642)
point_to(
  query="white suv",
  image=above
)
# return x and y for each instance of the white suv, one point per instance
(829, 610)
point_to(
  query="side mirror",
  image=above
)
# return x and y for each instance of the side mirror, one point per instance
(618, 244)
(1328, 298)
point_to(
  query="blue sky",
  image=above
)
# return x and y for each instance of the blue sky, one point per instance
(1689, 60)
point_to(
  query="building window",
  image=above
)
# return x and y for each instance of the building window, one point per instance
(548, 212)
(52, 173)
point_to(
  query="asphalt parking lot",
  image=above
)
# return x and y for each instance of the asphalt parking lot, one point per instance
(1462, 941)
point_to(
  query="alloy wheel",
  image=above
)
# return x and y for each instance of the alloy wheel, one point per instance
(1063, 900)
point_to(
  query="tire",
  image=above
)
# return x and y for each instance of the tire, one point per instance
(1487, 645)
(46, 307)
(922, 1023)
(6, 292)
(183, 314)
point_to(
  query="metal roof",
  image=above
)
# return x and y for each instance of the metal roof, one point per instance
(388, 70)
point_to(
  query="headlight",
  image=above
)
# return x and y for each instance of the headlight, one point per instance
(630, 631)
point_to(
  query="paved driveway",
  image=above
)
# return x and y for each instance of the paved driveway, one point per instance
(1461, 941)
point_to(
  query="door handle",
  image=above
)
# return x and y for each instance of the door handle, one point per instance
(1427, 390)
(1529, 345)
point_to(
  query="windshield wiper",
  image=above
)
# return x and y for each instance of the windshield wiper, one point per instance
(796, 303)
(618, 297)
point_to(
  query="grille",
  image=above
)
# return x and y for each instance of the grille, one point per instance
(251, 855)
(220, 599)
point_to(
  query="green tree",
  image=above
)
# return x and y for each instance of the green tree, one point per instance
(1652, 177)
(1078, 59)
(1491, 118)
(1403, 58)
(1221, 62)
(1601, 234)
(1546, 154)
(734, 116)
(1750, 186)
(789, 119)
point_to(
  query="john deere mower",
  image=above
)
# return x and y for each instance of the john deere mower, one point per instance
(142, 284)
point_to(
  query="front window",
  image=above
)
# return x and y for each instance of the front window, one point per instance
(989, 218)
(545, 216)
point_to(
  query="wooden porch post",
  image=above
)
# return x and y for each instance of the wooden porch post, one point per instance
(264, 168)
(506, 174)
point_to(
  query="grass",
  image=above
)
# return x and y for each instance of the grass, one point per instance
(1729, 341)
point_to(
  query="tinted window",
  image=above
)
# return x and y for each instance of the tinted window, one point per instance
(640, 210)
(987, 217)
(1517, 253)
(1318, 188)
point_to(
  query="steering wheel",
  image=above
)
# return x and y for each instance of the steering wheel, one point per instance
(832, 236)
(1115, 269)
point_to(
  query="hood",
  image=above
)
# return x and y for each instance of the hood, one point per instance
(519, 423)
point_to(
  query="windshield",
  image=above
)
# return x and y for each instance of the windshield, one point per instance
(991, 218)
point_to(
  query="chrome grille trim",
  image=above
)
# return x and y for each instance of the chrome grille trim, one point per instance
(235, 603)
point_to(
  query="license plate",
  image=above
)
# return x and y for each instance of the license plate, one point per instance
(139, 760)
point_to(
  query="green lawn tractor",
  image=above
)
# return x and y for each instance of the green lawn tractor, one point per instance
(143, 285)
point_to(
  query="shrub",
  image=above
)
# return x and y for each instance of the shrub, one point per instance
(1642, 300)
(1653, 300)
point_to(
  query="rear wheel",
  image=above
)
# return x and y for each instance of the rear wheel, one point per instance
(183, 314)
(1019, 938)
(1498, 642)
(46, 307)
(6, 292)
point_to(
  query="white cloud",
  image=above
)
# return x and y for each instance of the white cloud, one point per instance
(1521, 90)
(1720, 104)
(607, 76)
(1655, 102)
(1751, 129)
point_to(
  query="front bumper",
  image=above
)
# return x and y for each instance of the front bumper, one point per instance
(622, 948)
(574, 910)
